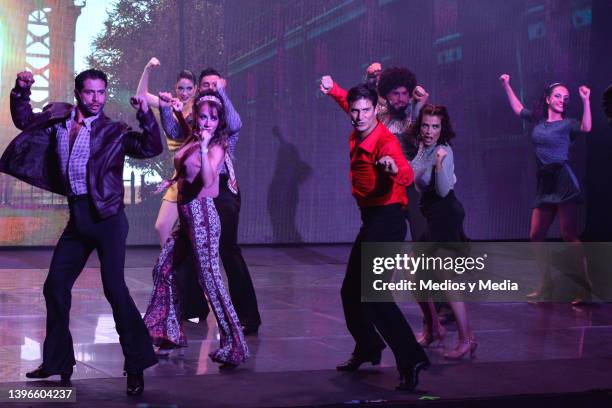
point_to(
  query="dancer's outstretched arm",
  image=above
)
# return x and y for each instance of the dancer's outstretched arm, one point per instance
(329, 87)
(172, 120)
(234, 123)
(147, 143)
(21, 109)
(586, 124)
(515, 104)
(420, 97)
(143, 84)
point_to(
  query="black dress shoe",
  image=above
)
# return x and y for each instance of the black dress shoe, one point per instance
(409, 378)
(135, 383)
(356, 360)
(40, 373)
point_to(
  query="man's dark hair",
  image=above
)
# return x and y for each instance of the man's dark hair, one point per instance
(79, 81)
(362, 91)
(395, 77)
(206, 72)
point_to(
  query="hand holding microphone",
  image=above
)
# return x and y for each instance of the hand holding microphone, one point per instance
(204, 137)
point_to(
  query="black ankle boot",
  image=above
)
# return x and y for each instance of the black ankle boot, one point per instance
(409, 377)
(356, 360)
(39, 373)
(135, 383)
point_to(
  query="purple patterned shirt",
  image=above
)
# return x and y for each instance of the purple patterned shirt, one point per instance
(74, 163)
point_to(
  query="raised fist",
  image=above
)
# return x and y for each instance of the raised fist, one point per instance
(153, 62)
(221, 83)
(177, 105)
(504, 78)
(25, 79)
(327, 84)
(139, 103)
(420, 94)
(387, 164)
(165, 99)
(584, 92)
(374, 69)
(441, 154)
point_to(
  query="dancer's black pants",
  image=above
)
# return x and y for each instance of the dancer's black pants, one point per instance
(368, 321)
(238, 276)
(82, 235)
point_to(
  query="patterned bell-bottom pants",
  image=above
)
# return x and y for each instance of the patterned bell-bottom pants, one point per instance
(198, 235)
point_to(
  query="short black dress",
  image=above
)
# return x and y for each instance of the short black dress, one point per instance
(556, 181)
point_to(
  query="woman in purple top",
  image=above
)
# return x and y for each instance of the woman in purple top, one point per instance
(558, 191)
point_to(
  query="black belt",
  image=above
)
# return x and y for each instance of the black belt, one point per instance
(79, 197)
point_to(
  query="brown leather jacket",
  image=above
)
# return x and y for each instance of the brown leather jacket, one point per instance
(32, 155)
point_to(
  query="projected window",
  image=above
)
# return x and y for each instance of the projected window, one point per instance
(38, 49)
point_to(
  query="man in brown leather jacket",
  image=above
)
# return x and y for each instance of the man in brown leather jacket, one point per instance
(79, 152)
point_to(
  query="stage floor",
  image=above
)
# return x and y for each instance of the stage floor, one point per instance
(523, 348)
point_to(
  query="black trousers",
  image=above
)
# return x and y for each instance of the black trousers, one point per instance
(239, 280)
(193, 304)
(82, 235)
(416, 221)
(368, 321)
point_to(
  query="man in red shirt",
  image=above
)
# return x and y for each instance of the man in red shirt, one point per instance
(379, 175)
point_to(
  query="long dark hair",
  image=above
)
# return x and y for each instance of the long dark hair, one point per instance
(212, 99)
(446, 132)
(540, 109)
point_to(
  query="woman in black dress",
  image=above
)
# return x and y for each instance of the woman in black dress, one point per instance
(434, 175)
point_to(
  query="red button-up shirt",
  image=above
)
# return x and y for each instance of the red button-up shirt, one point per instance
(371, 185)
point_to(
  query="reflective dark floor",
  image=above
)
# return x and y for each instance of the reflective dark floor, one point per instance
(303, 325)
